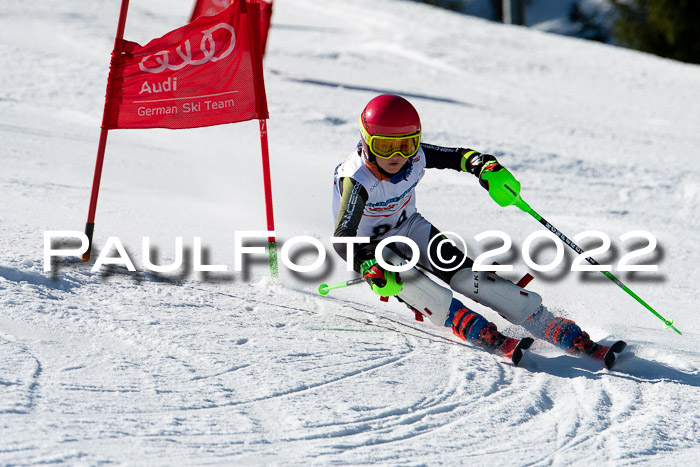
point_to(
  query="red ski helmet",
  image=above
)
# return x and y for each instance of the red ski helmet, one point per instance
(389, 125)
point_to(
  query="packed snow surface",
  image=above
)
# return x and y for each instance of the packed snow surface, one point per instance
(232, 367)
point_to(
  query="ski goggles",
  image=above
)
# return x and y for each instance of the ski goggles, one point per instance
(387, 147)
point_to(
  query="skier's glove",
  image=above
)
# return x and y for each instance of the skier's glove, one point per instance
(384, 283)
(502, 186)
(476, 161)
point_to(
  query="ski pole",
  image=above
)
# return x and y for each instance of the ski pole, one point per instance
(505, 190)
(323, 289)
(609, 275)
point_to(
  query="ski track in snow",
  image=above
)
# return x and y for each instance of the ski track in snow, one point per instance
(135, 367)
(124, 378)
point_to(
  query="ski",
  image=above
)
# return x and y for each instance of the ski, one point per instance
(518, 351)
(611, 355)
(606, 353)
(513, 348)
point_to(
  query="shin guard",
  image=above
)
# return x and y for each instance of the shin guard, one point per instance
(425, 296)
(421, 293)
(510, 301)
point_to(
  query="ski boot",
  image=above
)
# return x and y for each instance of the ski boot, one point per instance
(583, 345)
(491, 338)
(471, 326)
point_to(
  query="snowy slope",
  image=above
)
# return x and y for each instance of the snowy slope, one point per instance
(232, 368)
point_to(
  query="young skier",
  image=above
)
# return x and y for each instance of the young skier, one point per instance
(374, 197)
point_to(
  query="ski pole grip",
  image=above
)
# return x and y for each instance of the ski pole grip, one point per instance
(503, 188)
(502, 185)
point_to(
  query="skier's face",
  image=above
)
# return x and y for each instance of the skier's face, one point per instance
(393, 164)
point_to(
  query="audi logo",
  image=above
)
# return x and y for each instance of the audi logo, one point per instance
(208, 46)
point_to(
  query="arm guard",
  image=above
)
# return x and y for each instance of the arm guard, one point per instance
(352, 204)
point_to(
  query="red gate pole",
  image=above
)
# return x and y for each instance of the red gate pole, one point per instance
(252, 10)
(271, 242)
(102, 145)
